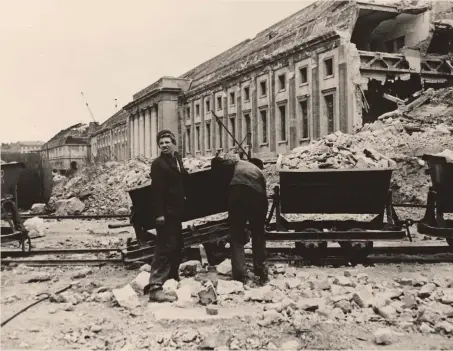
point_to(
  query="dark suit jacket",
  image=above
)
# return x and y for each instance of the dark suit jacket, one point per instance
(167, 184)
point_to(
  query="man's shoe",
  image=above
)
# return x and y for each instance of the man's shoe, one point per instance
(162, 296)
(263, 280)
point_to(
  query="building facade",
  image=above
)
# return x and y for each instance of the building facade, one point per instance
(326, 68)
(22, 147)
(110, 142)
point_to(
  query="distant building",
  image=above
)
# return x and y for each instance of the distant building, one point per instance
(70, 148)
(110, 142)
(22, 147)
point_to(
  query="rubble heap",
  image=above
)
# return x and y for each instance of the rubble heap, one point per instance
(103, 188)
(335, 151)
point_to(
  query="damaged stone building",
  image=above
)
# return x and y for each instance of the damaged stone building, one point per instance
(331, 66)
(110, 141)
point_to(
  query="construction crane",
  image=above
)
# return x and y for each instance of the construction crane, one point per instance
(88, 107)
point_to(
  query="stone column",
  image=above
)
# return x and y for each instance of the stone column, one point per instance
(129, 136)
(141, 129)
(154, 148)
(147, 133)
(136, 135)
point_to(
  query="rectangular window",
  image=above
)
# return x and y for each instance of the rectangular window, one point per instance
(246, 94)
(248, 129)
(220, 138)
(232, 129)
(328, 67)
(208, 105)
(263, 117)
(188, 139)
(219, 102)
(197, 110)
(197, 131)
(282, 113)
(263, 88)
(303, 75)
(188, 112)
(304, 113)
(232, 99)
(208, 136)
(282, 82)
(330, 112)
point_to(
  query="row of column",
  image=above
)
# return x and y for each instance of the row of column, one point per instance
(143, 129)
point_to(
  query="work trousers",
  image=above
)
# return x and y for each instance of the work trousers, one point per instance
(247, 205)
(167, 257)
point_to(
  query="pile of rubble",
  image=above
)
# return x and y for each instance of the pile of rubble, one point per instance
(103, 188)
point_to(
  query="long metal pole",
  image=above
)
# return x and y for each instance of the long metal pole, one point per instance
(232, 136)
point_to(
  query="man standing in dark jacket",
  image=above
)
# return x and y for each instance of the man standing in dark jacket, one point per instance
(247, 202)
(167, 175)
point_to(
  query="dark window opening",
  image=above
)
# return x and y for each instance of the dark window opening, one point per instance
(188, 139)
(330, 113)
(263, 115)
(282, 82)
(304, 113)
(233, 129)
(232, 99)
(208, 105)
(248, 129)
(220, 140)
(442, 42)
(282, 111)
(246, 94)
(263, 88)
(197, 110)
(303, 75)
(197, 130)
(74, 166)
(219, 102)
(328, 67)
(208, 136)
(188, 112)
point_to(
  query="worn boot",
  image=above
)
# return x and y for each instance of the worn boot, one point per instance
(162, 296)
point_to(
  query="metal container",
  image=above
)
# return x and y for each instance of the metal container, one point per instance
(10, 177)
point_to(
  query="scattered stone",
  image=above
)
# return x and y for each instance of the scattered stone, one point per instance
(425, 328)
(363, 298)
(190, 268)
(383, 336)
(224, 267)
(324, 284)
(427, 290)
(57, 298)
(444, 327)
(95, 328)
(184, 294)
(145, 268)
(126, 297)
(35, 226)
(269, 317)
(310, 304)
(104, 296)
(347, 274)
(362, 277)
(40, 277)
(428, 315)
(387, 312)
(344, 305)
(23, 345)
(82, 273)
(140, 282)
(447, 297)
(289, 344)
(68, 307)
(343, 281)
(337, 313)
(409, 301)
(208, 295)
(212, 311)
(259, 294)
(226, 287)
(194, 285)
(69, 206)
(170, 284)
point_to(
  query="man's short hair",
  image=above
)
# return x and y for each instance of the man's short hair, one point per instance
(166, 133)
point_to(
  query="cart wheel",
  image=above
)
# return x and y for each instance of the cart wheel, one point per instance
(314, 251)
(356, 250)
(450, 241)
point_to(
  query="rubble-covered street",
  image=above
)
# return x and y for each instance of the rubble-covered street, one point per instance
(396, 306)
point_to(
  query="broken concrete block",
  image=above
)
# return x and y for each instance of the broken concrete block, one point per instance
(427, 290)
(224, 267)
(208, 295)
(194, 285)
(35, 227)
(310, 304)
(38, 208)
(383, 336)
(170, 284)
(126, 297)
(184, 297)
(226, 287)
(363, 298)
(259, 294)
(190, 268)
(82, 273)
(139, 283)
(145, 268)
(343, 281)
(69, 207)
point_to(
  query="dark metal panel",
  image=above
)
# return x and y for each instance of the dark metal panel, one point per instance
(335, 191)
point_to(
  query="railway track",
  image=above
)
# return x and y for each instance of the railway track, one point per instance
(413, 253)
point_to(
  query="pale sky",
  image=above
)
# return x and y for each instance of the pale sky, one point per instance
(51, 50)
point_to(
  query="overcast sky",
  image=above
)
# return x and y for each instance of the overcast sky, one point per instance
(51, 50)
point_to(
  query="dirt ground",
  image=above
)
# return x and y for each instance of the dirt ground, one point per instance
(92, 319)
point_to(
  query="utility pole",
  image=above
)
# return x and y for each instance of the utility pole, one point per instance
(88, 107)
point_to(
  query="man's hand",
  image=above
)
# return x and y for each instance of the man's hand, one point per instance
(160, 221)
